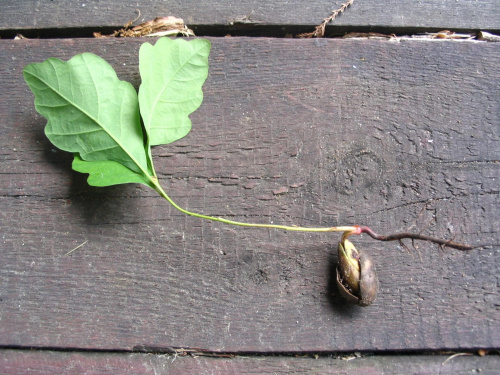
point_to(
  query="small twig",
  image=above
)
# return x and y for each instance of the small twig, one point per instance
(69, 252)
(415, 236)
(320, 29)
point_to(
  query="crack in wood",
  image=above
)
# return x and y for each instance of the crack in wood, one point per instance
(430, 200)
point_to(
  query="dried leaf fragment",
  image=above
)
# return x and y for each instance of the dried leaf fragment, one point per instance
(160, 26)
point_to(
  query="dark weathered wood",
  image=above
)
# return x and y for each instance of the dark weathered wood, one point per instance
(54, 363)
(390, 135)
(408, 14)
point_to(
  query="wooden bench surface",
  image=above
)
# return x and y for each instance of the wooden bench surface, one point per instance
(373, 14)
(139, 363)
(395, 134)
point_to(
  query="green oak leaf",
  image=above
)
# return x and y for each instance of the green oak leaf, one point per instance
(91, 113)
(172, 72)
(105, 173)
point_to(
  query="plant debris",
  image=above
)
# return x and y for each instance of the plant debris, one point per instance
(369, 35)
(320, 29)
(445, 34)
(483, 35)
(160, 26)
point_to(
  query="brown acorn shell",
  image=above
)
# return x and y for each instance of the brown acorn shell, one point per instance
(344, 292)
(368, 283)
(348, 266)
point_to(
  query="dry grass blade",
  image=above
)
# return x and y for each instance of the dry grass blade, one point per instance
(76, 248)
(320, 29)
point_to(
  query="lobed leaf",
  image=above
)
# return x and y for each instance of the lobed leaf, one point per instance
(172, 72)
(92, 113)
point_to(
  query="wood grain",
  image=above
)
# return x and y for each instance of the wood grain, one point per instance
(309, 132)
(55, 363)
(278, 17)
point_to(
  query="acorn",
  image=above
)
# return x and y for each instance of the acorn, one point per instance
(356, 278)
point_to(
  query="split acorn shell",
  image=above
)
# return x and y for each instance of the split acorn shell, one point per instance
(357, 281)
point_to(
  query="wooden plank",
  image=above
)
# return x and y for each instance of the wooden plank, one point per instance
(54, 363)
(390, 135)
(281, 16)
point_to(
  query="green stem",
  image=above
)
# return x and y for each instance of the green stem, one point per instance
(160, 190)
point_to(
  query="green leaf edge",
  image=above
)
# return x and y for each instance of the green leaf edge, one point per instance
(115, 173)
